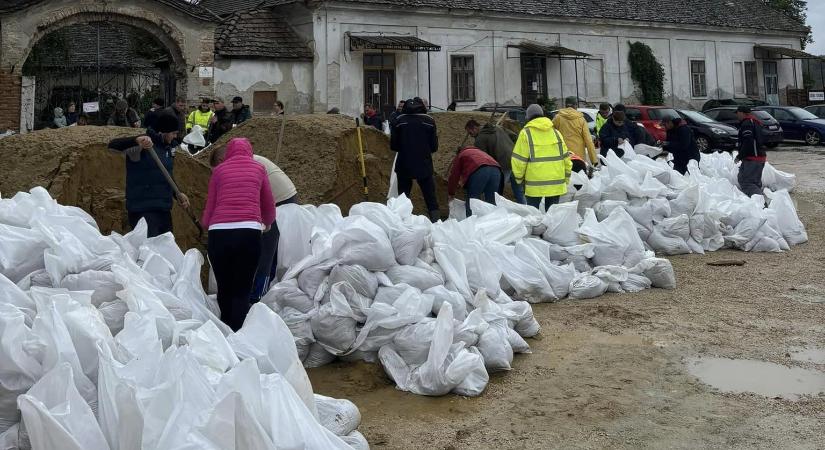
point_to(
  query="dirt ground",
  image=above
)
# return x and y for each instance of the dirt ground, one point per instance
(611, 372)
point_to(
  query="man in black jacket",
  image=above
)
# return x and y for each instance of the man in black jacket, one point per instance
(415, 139)
(616, 131)
(240, 112)
(151, 117)
(751, 152)
(680, 143)
(148, 194)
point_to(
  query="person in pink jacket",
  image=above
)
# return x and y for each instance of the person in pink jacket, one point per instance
(239, 207)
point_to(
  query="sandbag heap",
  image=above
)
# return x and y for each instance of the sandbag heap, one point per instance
(698, 212)
(439, 305)
(110, 342)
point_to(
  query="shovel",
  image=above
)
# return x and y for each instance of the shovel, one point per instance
(175, 189)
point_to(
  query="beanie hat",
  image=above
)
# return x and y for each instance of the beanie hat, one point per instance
(167, 123)
(534, 111)
(571, 101)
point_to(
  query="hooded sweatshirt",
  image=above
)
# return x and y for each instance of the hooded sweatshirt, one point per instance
(239, 190)
(573, 127)
(59, 118)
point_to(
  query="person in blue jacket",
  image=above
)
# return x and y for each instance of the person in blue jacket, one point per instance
(148, 194)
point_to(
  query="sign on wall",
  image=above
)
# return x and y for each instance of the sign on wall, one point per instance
(816, 96)
(91, 107)
(205, 72)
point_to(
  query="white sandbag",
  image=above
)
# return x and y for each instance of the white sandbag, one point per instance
(617, 241)
(561, 221)
(266, 338)
(586, 286)
(287, 294)
(339, 416)
(310, 278)
(317, 356)
(521, 316)
(558, 277)
(788, 220)
(495, 348)
(295, 223)
(454, 265)
(356, 440)
(635, 283)
(476, 380)
(56, 416)
(20, 369)
(407, 244)
(412, 343)
(776, 180)
(528, 281)
(442, 295)
(103, 283)
(359, 241)
(658, 270)
(21, 251)
(421, 279)
(517, 343)
(483, 272)
(334, 325)
(665, 244)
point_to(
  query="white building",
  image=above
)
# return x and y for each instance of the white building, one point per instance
(512, 52)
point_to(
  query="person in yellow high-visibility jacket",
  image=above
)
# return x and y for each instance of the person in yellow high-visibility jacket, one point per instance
(200, 116)
(540, 160)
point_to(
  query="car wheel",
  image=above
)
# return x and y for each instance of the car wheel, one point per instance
(812, 137)
(703, 144)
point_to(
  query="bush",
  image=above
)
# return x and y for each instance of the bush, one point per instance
(647, 73)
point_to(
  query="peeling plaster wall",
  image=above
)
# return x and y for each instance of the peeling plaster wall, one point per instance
(291, 79)
(339, 72)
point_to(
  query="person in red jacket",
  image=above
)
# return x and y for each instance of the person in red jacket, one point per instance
(478, 172)
(239, 207)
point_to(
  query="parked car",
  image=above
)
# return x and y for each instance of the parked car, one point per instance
(516, 113)
(797, 123)
(771, 130)
(651, 118)
(710, 134)
(716, 103)
(817, 110)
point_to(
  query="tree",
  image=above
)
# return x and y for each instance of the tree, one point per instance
(647, 72)
(796, 10)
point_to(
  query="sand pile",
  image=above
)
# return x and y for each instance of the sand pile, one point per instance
(77, 169)
(320, 154)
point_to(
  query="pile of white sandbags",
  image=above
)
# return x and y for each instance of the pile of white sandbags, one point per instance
(698, 212)
(110, 342)
(442, 305)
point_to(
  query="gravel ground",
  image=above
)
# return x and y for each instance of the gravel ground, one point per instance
(611, 372)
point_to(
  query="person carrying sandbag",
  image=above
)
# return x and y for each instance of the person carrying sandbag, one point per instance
(480, 174)
(148, 193)
(540, 160)
(239, 208)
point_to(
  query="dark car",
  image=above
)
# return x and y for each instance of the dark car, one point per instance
(797, 123)
(513, 112)
(771, 130)
(710, 134)
(716, 103)
(817, 110)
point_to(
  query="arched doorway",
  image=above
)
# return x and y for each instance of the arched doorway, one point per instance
(97, 63)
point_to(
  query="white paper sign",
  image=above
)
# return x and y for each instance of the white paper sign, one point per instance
(205, 72)
(91, 107)
(535, 86)
(376, 89)
(816, 96)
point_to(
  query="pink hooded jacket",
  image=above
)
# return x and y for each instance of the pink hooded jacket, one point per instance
(239, 189)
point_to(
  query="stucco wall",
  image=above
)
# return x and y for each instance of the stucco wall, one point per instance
(291, 79)
(339, 72)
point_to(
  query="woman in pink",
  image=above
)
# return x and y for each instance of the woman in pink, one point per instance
(239, 207)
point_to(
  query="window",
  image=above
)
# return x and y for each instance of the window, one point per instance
(738, 79)
(463, 79)
(594, 78)
(727, 115)
(263, 102)
(751, 78)
(781, 114)
(698, 79)
(633, 114)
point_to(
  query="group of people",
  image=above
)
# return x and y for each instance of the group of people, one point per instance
(538, 162)
(70, 117)
(244, 191)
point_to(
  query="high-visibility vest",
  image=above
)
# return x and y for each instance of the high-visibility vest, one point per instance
(540, 160)
(197, 117)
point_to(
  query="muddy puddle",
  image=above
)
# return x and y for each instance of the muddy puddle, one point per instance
(758, 377)
(813, 355)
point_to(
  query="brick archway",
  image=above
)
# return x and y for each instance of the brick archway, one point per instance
(189, 40)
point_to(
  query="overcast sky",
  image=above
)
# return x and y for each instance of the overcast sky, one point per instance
(816, 19)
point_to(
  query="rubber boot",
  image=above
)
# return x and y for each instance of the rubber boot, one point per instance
(435, 215)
